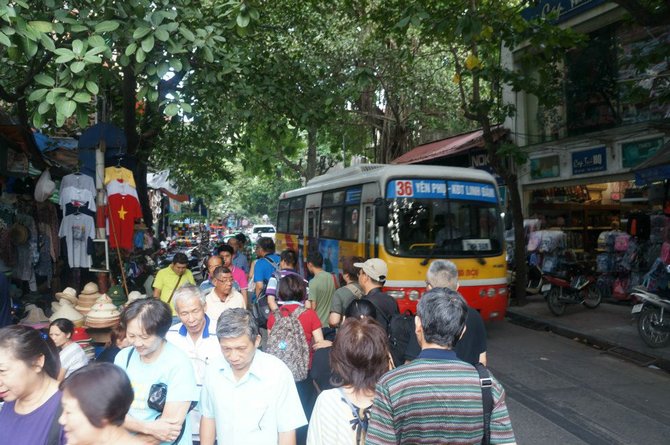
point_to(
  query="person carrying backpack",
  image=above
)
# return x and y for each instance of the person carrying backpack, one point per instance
(265, 265)
(292, 330)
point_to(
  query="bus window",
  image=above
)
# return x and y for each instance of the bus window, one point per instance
(331, 222)
(282, 216)
(351, 217)
(443, 228)
(296, 215)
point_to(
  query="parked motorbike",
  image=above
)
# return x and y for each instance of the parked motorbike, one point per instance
(577, 286)
(653, 316)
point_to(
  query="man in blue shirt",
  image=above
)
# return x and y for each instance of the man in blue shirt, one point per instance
(239, 258)
(266, 264)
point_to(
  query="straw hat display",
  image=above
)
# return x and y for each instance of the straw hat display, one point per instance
(66, 310)
(87, 297)
(19, 234)
(83, 339)
(104, 298)
(68, 294)
(103, 315)
(135, 295)
(35, 318)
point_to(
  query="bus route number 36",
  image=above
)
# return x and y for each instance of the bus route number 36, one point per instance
(404, 188)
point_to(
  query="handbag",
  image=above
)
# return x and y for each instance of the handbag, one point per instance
(175, 288)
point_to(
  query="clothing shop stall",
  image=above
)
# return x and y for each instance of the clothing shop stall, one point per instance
(72, 240)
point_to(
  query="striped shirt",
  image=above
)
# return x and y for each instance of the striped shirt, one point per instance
(435, 399)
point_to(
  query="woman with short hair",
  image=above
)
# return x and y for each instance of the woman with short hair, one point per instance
(72, 356)
(150, 361)
(29, 366)
(96, 399)
(359, 357)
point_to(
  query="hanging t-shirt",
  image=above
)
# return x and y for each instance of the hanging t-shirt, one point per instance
(78, 188)
(78, 180)
(122, 212)
(119, 187)
(78, 231)
(78, 197)
(119, 173)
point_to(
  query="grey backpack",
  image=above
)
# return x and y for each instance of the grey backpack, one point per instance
(287, 342)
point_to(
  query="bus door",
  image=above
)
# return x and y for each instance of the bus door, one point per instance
(369, 231)
(312, 223)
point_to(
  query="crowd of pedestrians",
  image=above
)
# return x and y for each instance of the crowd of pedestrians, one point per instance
(192, 365)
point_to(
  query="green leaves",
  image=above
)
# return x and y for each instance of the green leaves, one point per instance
(106, 26)
(45, 80)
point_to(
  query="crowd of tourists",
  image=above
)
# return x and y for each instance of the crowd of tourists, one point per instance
(205, 364)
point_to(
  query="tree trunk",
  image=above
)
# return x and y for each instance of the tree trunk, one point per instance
(137, 147)
(503, 168)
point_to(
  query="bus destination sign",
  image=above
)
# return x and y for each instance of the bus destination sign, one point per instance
(440, 189)
(472, 191)
(417, 188)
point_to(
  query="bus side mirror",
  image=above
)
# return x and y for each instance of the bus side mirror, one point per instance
(381, 212)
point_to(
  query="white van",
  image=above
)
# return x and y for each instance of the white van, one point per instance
(262, 230)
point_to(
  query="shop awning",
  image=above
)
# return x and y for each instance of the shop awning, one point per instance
(446, 147)
(22, 138)
(655, 168)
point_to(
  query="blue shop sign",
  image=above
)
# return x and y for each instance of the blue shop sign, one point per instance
(472, 191)
(416, 188)
(563, 8)
(589, 161)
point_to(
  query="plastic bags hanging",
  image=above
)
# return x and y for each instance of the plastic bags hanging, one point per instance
(44, 187)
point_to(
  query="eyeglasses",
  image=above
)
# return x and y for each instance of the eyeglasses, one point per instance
(428, 285)
(224, 280)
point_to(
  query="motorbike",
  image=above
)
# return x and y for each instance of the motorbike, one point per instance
(577, 286)
(653, 315)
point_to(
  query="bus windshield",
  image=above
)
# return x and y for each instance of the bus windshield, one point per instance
(443, 228)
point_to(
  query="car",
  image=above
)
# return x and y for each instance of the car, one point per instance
(262, 230)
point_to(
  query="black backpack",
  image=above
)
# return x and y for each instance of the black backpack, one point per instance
(401, 327)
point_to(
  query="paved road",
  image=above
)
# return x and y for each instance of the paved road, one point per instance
(563, 392)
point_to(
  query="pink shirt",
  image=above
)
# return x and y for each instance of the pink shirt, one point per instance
(239, 276)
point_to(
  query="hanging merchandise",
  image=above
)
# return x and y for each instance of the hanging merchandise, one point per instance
(78, 229)
(117, 187)
(123, 210)
(119, 174)
(44, 187)
(77, 189)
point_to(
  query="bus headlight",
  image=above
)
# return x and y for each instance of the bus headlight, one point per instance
(413, 295)
(491, 292)
(482, 292)
(397, 294)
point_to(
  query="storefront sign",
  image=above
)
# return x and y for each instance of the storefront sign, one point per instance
(563, 8)
(472, 191)
(479, 159)
(545, 167)
(634, 153)
(589, 161)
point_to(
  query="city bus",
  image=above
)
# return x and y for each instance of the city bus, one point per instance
(409, 216)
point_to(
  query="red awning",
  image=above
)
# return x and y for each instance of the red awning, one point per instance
(446, 147)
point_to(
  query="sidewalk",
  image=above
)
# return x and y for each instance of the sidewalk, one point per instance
(609, 327)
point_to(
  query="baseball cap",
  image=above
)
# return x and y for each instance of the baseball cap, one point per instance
(374, 268)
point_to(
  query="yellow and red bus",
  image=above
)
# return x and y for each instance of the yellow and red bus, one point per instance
(408, 216)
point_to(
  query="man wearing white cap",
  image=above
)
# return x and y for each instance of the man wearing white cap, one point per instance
(371, 277)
